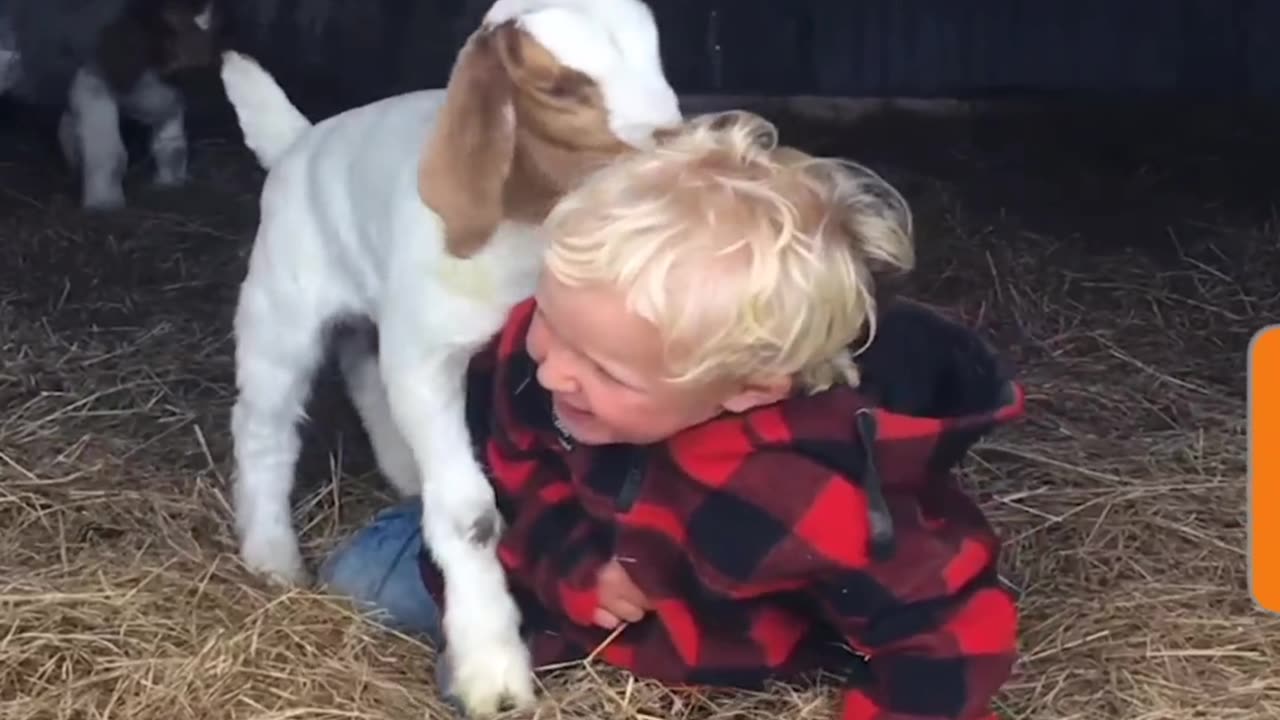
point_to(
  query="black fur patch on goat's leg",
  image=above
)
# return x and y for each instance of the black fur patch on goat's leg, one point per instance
(484, 529)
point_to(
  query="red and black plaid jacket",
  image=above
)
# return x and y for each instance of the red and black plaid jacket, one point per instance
(822, 533)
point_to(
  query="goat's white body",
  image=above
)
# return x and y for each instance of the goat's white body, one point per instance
(343, 233)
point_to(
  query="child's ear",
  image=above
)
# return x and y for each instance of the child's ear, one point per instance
(757, 392)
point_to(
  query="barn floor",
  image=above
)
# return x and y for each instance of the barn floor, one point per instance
(1122, 259)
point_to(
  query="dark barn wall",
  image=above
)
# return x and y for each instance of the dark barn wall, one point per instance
(358, 50)
(334, 54)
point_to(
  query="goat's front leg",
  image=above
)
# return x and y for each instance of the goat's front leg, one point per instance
(89, 133)
(159, 105)
(488, 659)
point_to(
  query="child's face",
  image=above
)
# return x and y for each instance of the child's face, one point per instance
(604, 369)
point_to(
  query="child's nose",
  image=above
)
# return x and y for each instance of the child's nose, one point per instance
(556, 374)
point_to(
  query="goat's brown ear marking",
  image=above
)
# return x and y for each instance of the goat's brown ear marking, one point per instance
(509, 46)
(528, 63)
(467, 158)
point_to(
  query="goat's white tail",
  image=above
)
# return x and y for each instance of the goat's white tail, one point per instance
(269, 120)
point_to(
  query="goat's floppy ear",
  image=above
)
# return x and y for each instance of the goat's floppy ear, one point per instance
(464, 168)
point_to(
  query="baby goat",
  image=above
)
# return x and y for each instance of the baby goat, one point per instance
(123, 54)
(132, 59)
(419, 213)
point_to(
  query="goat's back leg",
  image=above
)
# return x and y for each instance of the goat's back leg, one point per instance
(160, 107)
(358, 358)
(89, 133)
(280, 344)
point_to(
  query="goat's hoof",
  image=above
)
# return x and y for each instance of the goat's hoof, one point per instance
(103, 201)
(486, 676)
(169, 180)
(275, 558)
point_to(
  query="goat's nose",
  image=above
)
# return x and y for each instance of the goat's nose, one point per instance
(665, 134)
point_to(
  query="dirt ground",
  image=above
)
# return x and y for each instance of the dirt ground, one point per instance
(1122, 258)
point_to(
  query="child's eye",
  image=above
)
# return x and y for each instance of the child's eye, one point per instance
(614, 379)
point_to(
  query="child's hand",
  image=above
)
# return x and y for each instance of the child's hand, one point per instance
(620, 599)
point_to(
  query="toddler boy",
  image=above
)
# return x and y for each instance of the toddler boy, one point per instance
(709, 425)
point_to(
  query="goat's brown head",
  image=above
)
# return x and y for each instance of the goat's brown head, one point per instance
(542, 94)
(189, 30)
(163, 36)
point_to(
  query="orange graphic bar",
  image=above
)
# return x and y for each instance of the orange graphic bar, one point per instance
(1264, 468)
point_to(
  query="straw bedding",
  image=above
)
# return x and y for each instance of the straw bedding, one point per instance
(1122, 260)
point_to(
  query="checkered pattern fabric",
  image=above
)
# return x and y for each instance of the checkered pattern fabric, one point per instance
(822, 533)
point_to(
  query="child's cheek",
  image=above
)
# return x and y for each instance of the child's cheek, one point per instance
(535, 341)
(624, 416)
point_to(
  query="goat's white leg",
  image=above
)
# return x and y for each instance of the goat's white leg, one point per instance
(279, 346)
(89, 133)
(69, 139)
(488, 659)
(369, 396)
(159, 105)
(10, 58)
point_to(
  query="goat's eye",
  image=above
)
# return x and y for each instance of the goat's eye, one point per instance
(560, 89)
(567, 86)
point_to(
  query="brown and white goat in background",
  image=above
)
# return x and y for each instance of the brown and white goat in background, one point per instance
(121, 56)
(418, 214)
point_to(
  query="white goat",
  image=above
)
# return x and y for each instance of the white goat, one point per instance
(122, 54)
(419, 213)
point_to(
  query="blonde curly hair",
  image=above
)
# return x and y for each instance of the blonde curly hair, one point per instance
(749, 258)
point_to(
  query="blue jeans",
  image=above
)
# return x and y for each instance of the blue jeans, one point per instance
(377, 567)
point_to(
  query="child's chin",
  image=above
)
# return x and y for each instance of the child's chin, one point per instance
(590, 435)
(595, 434)
(580, 429)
